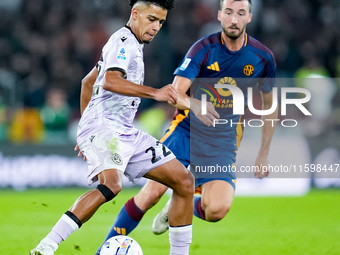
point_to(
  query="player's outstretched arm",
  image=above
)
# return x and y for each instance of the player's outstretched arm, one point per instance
(182, 85)
(86, 88)
(267, 134)
(185, 102)
(115, 82)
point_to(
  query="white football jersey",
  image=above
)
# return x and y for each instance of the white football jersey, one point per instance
(124, 53)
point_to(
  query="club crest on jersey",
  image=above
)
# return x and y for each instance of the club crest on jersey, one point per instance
(185, 64)
(248, 70)
(117, 159)
(122, 54)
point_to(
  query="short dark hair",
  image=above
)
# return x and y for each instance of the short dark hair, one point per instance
(249, 1)
(165, 4)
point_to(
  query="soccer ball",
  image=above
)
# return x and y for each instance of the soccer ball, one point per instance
(121, 245)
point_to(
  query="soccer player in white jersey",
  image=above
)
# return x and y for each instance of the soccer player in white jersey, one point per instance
(222, 57)
(112, 146)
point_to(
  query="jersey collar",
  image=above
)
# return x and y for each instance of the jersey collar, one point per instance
(240, 50)
(133, 33)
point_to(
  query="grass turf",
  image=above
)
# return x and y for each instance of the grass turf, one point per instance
(255, 226)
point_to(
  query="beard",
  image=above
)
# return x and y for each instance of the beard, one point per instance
(233, 35)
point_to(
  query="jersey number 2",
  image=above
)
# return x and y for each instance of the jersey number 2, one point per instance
(156, 158)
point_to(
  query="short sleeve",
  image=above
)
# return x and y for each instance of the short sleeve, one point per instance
(117, 56)
(190, 66)
(269, 75)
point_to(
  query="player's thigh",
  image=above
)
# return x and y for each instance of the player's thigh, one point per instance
(149, 195)
(174, 175)
(217, 196)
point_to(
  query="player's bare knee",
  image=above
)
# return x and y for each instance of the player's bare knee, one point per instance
(186, 185)
(115, 187)
(190, 184)
(216, 213)
(109, 192)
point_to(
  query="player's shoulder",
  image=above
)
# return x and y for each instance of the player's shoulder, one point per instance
(210, 40)
(124, 37)
(260, 48)
(205, 44)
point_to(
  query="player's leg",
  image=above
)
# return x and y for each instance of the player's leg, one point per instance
(220, 192)
(174, 175)
(216, 200)
(150, 194)
(111, 182)
(217, 188)
(132, 212)
(134, 209)
(81, 211)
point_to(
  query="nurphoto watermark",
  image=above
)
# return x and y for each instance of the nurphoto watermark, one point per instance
(238, 106)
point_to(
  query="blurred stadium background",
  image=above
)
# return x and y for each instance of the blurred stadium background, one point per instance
(47, 46)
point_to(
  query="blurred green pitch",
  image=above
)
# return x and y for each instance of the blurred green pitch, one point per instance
(255, 226)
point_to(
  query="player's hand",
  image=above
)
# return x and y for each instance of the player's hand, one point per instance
(167, 93)
(80, 154)
(207, 119)
(262, 169)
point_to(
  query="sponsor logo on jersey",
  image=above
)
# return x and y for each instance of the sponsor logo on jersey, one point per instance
(248, 70)
(117, 159)
(122, 54)
(220, 97)
(214, 67)
(185, 64)
(225, 80)
(123, 39)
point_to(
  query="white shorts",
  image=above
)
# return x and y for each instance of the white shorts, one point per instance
(134, 155)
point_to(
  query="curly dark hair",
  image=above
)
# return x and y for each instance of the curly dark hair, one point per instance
(166, 4)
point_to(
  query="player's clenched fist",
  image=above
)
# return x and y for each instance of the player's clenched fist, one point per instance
(167, 93)
(262, 169)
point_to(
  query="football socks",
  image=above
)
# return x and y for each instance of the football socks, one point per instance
(180, 239)
(198, 211)
(63, 229)
(127, 220)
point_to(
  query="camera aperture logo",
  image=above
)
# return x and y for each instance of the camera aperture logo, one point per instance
(237, 103)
